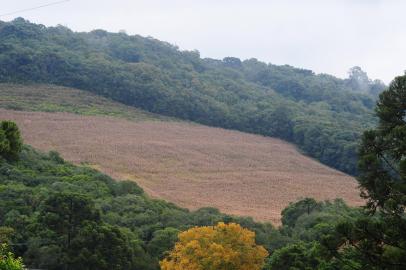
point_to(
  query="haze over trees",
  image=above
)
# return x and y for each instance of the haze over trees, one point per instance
(322, 115)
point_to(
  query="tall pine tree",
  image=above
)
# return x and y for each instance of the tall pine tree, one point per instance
(379, 238)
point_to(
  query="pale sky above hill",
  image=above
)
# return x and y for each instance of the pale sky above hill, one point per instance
(327, 36)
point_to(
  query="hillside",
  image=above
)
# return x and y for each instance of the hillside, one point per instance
(52, 98)
(323, 115)
(191, 165)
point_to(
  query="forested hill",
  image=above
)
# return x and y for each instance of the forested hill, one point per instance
(321, 114)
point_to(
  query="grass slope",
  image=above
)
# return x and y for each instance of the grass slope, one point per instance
(52, 98)
(191, 165)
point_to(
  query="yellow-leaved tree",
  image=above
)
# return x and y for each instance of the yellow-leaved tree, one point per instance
(220, 247)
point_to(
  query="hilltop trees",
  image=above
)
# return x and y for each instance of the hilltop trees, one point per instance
(359, 81)
(220, 247)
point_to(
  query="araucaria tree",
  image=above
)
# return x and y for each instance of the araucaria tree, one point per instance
(221, 247)
(379, 238)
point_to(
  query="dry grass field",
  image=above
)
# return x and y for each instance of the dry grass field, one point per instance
(191, 165)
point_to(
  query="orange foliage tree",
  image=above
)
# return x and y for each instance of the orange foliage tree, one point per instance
(221, 247)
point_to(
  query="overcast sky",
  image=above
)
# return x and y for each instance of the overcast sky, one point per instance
(326, 36)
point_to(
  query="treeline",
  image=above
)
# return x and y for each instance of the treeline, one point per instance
(321, 114)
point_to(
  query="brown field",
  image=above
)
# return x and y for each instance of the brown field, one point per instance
(191, 165)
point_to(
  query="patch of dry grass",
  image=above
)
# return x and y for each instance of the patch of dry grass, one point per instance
(52, 98)
(191, 165)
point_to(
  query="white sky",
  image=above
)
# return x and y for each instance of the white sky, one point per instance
(327, 36)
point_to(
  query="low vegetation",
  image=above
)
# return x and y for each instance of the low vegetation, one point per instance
(8, 260)
(52, 98)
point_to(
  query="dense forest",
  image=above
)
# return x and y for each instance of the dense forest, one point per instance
(323, 115)
(60, 216)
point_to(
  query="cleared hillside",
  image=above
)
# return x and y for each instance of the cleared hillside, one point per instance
(52, 98)
(188, 164)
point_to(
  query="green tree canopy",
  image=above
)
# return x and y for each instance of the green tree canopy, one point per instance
(8, 260)
(10, 140)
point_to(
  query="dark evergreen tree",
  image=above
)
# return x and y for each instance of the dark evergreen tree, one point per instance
(379, 237)
(10, 140)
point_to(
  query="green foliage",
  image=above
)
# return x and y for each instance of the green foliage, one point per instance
(105, 247)
(5, 234)
(304, 256)
(65, 213)
(323, 115)
(162, 241)
(10, 140)
(291, 213)
(315, 242)
(8, 261)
